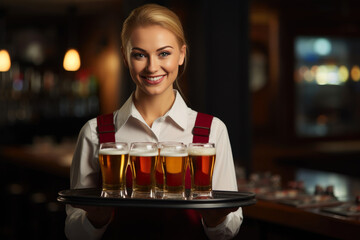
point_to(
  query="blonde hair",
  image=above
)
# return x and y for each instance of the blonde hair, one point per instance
(153, 14)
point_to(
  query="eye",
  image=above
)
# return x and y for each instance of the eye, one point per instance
(164, 54)
(137, 55)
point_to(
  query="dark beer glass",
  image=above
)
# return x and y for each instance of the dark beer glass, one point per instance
(202, 160)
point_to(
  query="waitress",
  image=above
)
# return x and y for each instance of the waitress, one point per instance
(155, 52)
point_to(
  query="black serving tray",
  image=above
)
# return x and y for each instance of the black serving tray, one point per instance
(92, 196)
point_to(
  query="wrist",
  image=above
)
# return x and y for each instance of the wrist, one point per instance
(99, 221)
(213, 221)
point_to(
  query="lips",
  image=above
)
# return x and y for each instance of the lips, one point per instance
(153, 80)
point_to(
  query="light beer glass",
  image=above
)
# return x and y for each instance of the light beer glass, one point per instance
(143, 158)
(174, 157)
(113, 159)
(202, 160)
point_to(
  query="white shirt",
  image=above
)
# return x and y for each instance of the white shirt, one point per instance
(175, 125)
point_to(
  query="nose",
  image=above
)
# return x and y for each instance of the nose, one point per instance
(152, 64)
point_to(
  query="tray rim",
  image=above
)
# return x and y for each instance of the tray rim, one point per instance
(244, 199)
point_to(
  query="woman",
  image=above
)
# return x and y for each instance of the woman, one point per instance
(155, 51)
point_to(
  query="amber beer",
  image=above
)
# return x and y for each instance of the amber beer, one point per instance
(202, 160)
(143, 159)
(113, 159)
(174, 158)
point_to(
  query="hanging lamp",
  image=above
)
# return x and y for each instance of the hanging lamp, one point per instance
(5, 61)
(71, 60)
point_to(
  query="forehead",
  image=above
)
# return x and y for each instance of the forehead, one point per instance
(152, 37)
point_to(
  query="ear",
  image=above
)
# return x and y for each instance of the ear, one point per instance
(182, 55)
(124, 57)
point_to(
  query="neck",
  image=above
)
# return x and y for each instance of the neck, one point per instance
(152, 107)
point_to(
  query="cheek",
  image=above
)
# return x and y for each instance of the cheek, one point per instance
(171, 65)
(136, 66)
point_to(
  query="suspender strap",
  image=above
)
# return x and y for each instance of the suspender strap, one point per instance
(106, 131)
(106, 128)
(201, 130)
(201, 133)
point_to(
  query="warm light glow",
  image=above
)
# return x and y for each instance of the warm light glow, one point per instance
(355, 73)
(5, 62)
(343, 73)
(308, 76)
(330, 74)
(321, 75)
(71, 60)
(313, 71)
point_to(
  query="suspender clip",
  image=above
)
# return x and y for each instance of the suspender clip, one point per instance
(109, 128)
(201, 131)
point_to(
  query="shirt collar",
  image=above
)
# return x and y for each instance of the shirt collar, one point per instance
(177, 112)
(123, 114)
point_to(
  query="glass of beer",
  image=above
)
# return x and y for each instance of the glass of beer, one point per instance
(113, 159)
(159, 179)
(174, 158)
(202, 160)
(143, 158)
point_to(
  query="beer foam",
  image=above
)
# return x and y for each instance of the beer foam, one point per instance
(140, 153)
(110, 151)
(199, 151)
(173, 154)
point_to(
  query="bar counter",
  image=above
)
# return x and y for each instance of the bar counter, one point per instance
(47, 157)
(310, 220)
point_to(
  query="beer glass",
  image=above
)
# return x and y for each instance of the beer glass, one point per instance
(143, 157)
(202, 160)
(159, 179)
(174, 158)
(113, 159)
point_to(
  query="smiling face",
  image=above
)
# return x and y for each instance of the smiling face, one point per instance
(153, 56)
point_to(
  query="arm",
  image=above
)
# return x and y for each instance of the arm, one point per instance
(228, 228)
(222, 223)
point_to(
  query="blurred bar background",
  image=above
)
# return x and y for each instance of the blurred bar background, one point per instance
(284, 77)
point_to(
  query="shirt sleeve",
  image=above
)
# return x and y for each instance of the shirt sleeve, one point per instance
(84, 173)
(78, 226)
(227, 229)
(224, 178)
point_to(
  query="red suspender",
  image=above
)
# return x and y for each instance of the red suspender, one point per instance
(106, 128)
(201, 130)
(106, 131)
(201, 133)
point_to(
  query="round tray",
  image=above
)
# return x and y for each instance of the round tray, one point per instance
(92, 196)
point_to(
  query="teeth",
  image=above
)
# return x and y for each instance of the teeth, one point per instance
(154, 78)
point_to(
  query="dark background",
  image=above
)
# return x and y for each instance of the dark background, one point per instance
(222, 36)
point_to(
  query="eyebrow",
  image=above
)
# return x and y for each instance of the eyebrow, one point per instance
(159, 49)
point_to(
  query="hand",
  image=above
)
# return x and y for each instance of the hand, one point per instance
(215, 216)
(97, 215)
